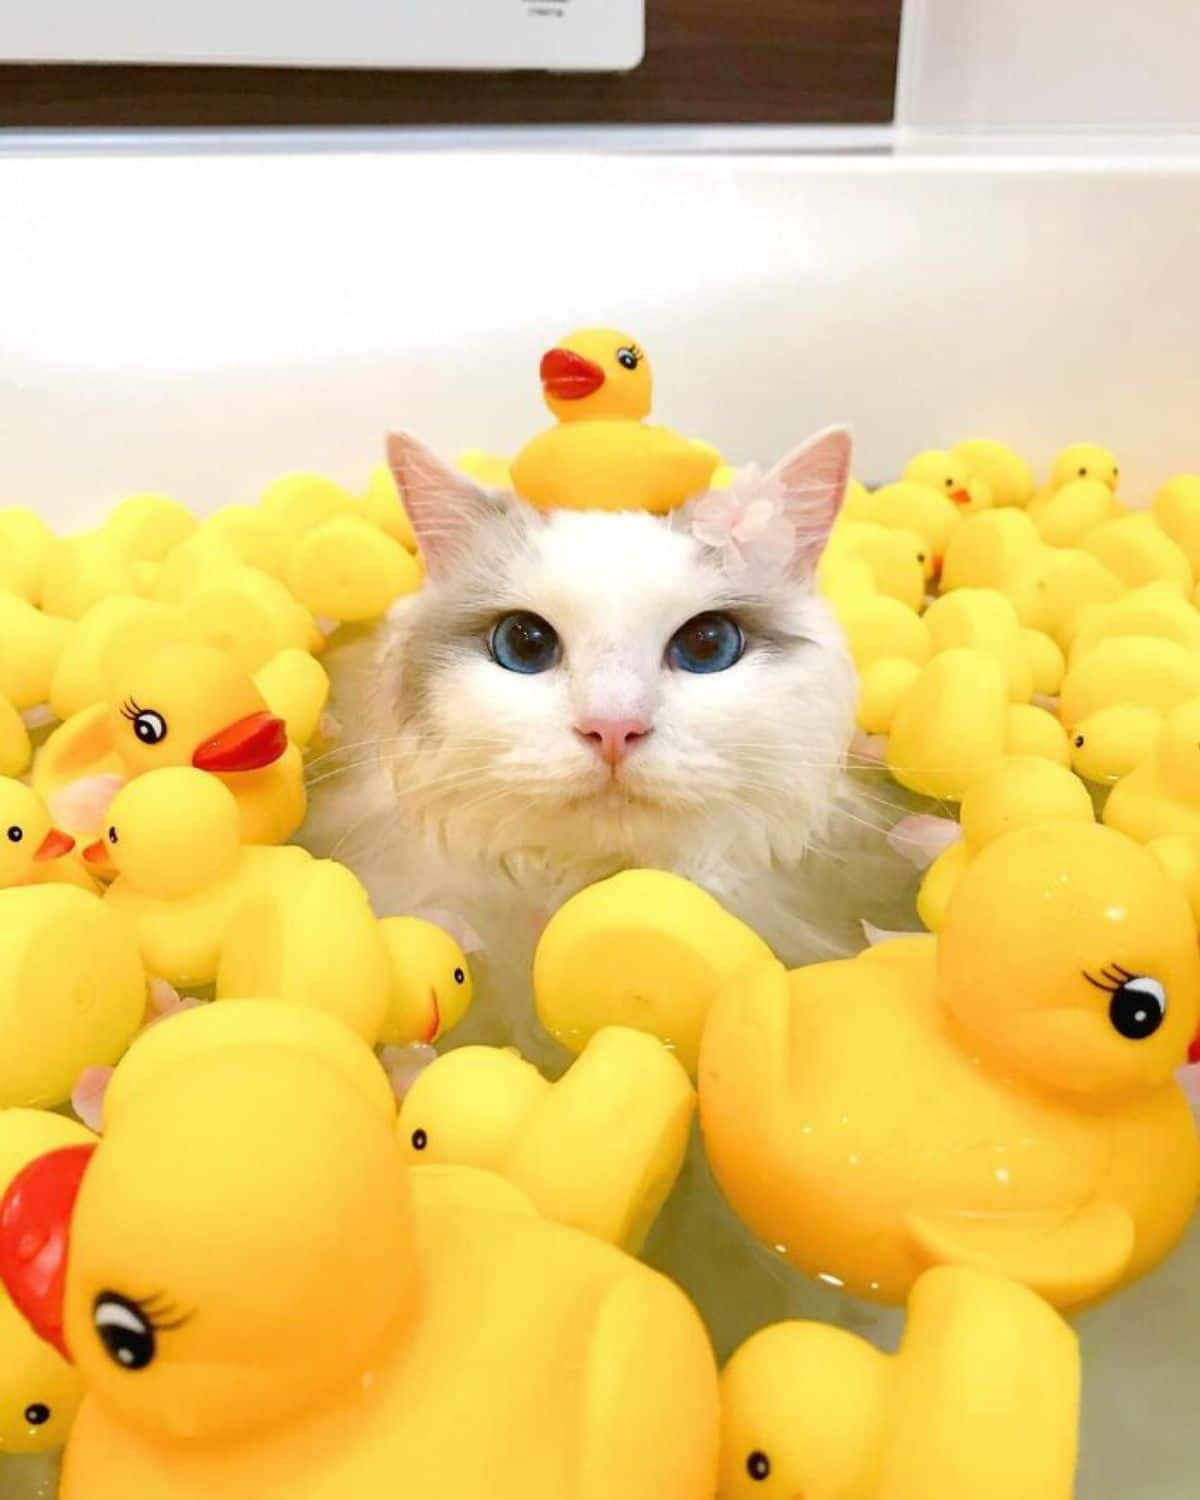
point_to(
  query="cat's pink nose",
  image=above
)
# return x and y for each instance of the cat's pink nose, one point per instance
(612, 739)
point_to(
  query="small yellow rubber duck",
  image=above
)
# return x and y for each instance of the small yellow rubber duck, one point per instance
(1037, 1040)
(677, 947)
(987, 547)
(39, 1391)
(148, 527)
(186, 705)
(599, 1149)
(480, 1350)
(1083, 461)
(603, 455)
(26, 546)
(1017, 792)
(72, 991)
(1051, 586)
(915, 507)
(1006, 474)
(1138, 551)
(383, 507)
(82, 570)
(432, 987)
(1114, 698)
(1156, 609)
(348, 569)
(1176, 508)
(30, 646)
(30, 845)
(181, 871)
(1068, 516)
(898, 560)
(980, 1400)
(984, 620)
(1161, 794)
(950, 475)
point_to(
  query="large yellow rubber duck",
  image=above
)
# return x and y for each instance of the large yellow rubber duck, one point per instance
(981, 1400)
(30, 845)
(676, 946)
(599, 1150)
(181, 872)
(72, 991)
(325, 1327)
(39, 1391)
(1114, 698)
(992, 1101)
(1016, 792)
(1160, 797)
(603, 455)
(186, 705)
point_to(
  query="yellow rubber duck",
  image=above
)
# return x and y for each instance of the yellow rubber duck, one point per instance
(955, 719)
(994, 1105)
(1114, 698)
(148, 527)
(301, 502)
(383, 507)
(1053, 585)
(1176, 508)
(16, 748)
(898, 560)
(1083, 461)
(676, 944)
(309, 937)
(1138, 551)
(26, 545)
(346, 569)
(245, 612)
(82, 570)
(1156, 609)
(431, 987)
(889, 644)
(920, 508)
(1161, 794)
(186, 705)
(30, 846)
(181, 871)
(1002, 469)
(39, 1391)
(233, 535)
(599, 1150)
(987, 547)
(983, 620)
(30, 645)
(1018, 792)
(950, 475)
(483, 1351)
(72, 991)
(980, 1400)
(1068, 516)
(603, 455)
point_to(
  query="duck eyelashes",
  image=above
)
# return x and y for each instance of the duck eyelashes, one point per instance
(130, 710)
(161, 1315)
(1114, 974)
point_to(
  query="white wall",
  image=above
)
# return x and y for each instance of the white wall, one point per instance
(202, 323)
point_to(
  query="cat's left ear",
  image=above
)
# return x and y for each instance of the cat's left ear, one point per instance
(812, 480)
(444, 506)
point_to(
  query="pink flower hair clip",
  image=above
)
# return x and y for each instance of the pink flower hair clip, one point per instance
(747, 525)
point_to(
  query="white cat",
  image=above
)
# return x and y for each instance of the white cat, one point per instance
(576, 692)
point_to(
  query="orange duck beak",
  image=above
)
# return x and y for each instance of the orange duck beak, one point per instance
(96, 855)
(248, 745)
(55, 845)
(35, 1235)
(568, 376)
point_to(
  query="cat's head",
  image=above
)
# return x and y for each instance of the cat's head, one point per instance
(609, 682)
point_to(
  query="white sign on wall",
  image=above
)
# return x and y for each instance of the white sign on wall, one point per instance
(568, 35)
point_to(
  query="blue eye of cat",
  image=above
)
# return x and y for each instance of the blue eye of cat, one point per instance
(707, 643)
(524, 642)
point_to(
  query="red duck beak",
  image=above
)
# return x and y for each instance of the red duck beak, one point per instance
(96, 854)
(55, 845)
(35, 1234)
(569, 377)
(1194, 1050)
(961, 497)
(248, 745)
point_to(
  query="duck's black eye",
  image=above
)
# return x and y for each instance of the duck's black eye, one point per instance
(707, 643)
(1079, 742)
(15, 834)
(112, 836)
(1083, 473)
(1138, 1008)
(419, 1140)
(525, 643)
(150, 728)
(758, 1465)
(628, 359)
(460, 976)
(125, 1331)
(37, 1415)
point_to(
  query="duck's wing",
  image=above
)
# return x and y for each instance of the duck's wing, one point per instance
(1069, 1260)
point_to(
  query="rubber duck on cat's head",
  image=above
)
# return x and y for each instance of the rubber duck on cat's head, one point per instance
(603, 455)
(287, 1314)
(186, 705)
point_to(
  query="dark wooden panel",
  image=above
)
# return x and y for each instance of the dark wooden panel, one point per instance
(707, 62)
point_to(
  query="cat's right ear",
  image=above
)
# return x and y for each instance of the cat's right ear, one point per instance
(444, 506)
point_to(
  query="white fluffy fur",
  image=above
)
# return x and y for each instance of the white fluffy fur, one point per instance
(463, 786)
